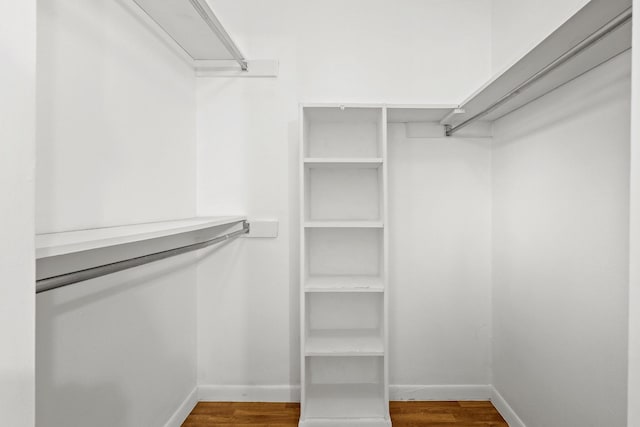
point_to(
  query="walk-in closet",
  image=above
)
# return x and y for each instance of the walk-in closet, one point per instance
(319, 213)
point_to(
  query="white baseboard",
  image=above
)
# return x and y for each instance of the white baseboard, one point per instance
(505, 410)
(440, 392)
(183, 410)
(248, 393)
(286, 393)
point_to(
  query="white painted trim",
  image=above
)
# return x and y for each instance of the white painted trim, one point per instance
(505, 409)
(286, 393)
(248, 393)
(306, 104)
(440, 392)
(183, 410)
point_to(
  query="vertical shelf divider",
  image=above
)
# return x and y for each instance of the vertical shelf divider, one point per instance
(384, 211)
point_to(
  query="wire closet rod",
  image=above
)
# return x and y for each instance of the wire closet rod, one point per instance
(604, 31)
(212, 21)
(67, 279)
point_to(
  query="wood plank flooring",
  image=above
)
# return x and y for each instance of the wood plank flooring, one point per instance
(403, 414)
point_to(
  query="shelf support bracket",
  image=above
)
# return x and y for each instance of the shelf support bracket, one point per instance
(447, 130)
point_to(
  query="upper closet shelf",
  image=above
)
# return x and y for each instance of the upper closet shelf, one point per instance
(417, 113)
(54, 244)
(598, 32)
(195, 32)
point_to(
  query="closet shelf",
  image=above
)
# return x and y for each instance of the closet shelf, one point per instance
(343, 224)
(54, 244)
(598, 32)
(345, 342)
(332, 162)
(344, 284)
(192, 26)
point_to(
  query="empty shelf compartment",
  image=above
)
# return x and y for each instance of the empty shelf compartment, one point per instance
(345, 387)
(344, 324)
(343, 194)
(344, 252)
(349, 132)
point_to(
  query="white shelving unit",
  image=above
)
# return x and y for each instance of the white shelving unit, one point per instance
(344, 266)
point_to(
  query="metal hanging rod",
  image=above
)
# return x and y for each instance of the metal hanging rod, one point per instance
(216, 26)
(67, 279)
(604, 31)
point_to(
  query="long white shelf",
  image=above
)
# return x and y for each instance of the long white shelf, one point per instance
(53, 244)
(344, 284)
(193, 31)
(344, 342)
(593, 16)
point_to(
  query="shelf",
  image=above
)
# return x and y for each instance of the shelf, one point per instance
(593, 16)
(343, 224)
(344, 342)
(411, 114)
(351, 401)
(333, 162)
(344, 284)
(343, 422)
(192, 26)
(55, 244)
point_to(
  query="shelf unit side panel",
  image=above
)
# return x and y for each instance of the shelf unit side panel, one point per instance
(303, 136)
(385, 257)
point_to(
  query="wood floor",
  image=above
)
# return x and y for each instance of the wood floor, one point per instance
(403, 414)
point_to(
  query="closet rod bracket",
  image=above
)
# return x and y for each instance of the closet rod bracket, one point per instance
(447, 130)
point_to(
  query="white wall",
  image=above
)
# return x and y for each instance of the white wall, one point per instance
(247, 306)
(17, 163)
(116, 120)
(519, 25)
(560, 253)
(115, 145)
(369, 50)
(633, 400)
(440, 263)
(356, 51)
